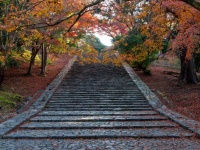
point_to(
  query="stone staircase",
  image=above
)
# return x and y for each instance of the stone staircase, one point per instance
(97, 102)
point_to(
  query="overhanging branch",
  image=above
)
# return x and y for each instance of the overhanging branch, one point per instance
(79, 14)
(193, 3)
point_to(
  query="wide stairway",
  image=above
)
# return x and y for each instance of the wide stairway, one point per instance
(96, 102)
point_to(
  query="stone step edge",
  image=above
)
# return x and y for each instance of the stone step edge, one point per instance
(14, 122)
(92, 127)
(99, 109)
(96, 106)
(100, 137)
(70, 115)
(99, 103)
(155, 102)
(103, 120)
(98, 113)
(92, 99)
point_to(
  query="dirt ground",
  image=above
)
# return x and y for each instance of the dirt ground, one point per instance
(184, 99)
(30, 86)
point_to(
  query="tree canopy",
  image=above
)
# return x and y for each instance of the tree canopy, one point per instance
(60, 25)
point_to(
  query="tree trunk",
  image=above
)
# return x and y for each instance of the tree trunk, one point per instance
(2, 75)
(32, 61)
(43, 60)
(45, 57)
(188, 71)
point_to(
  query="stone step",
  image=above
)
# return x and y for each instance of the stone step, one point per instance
(103, 133)
(92, 125)
(97, 109)
(95, 88)
(96, 113)
(99, 92)
(96, 118)
(97, 82)
(100, 85)
(100, 99)
(105, 90)
(95, 106)
(121, 84)
(58, 101)
(95, 103)
(98, 96)
(92, 89)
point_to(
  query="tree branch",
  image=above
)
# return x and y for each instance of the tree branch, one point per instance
(79, 13)
(193, 3)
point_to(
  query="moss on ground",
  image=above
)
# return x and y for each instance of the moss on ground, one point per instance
(9, 100)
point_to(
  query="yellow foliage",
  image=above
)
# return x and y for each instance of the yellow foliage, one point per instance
(110, 56)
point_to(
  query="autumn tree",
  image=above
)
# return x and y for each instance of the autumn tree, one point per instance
(186, 38)
(35, 22)
(161, 21)
(10, 38)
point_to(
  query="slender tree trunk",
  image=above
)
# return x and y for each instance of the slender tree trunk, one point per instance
(188, 71)
(43, 60)
(32, 61)
(2, 75)
(45, 57)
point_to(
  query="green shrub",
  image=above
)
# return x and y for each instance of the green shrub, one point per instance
(128, 46)
(11, 61)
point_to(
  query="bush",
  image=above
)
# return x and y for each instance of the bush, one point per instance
(11, 62)
(133, 44)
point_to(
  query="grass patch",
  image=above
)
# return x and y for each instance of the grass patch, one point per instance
(9, 100)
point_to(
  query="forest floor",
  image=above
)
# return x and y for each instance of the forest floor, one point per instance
(29, 87)
(182, 98)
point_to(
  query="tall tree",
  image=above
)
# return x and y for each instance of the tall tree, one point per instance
(186, 39)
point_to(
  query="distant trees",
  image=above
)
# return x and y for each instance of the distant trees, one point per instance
(95, 42)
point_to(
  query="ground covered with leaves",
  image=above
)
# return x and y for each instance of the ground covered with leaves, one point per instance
(20, 90)
(183, 98)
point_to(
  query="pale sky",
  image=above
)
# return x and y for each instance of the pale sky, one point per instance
(106, 40)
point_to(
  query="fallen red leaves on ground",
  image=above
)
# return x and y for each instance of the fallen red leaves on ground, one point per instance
(184, 98)
(31, 86)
